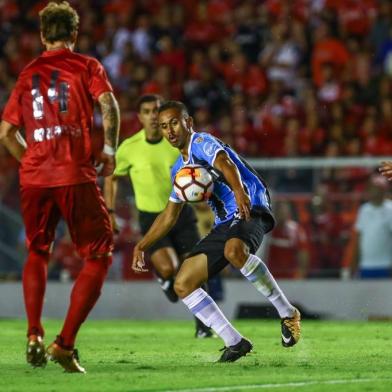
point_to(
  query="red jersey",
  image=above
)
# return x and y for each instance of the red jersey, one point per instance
(286, 241)
(53, 101)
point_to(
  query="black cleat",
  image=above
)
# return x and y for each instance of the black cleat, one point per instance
(168, 288)
(232, 353)
(35, 351)
(291, 329)
(204, 333)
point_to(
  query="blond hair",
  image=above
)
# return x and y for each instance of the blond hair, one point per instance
(59, 21)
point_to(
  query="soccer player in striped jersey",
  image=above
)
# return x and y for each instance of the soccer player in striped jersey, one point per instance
(241, 204)
(147, 158)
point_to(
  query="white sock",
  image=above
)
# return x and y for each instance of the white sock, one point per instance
(257, 272)
(206, 310)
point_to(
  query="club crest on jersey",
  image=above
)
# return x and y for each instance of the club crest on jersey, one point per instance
(209, 149)
(198, 140)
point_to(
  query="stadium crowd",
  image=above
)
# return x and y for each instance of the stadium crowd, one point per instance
(273, 78)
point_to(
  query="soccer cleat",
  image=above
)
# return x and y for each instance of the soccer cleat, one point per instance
(35, 351)
(68, 359)
(168, 288)
(202, 333)
(232, 353)
(291, 329)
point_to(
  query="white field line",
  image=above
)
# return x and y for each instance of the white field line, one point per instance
(282, 385)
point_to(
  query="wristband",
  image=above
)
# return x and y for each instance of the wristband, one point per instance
(109, 150)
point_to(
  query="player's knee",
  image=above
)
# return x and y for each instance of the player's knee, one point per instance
(37, 257)
(236, 254)
(183, 287)
(165, 271)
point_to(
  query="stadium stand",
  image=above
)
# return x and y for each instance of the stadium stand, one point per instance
(273, 78)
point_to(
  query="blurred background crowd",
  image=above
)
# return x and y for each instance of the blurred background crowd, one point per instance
(273, 78)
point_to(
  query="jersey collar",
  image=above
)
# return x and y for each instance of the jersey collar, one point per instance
(55, 52)
(149, 141)
(189, 149)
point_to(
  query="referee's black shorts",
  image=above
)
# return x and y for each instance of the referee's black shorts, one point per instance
(182, 237)
(251, 232)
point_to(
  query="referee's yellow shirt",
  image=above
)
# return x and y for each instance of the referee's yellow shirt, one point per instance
(148, 166)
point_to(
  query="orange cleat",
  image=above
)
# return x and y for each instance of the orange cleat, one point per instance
(291, 329)
(68, 359)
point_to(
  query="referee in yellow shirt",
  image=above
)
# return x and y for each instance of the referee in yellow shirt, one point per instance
(147, 158)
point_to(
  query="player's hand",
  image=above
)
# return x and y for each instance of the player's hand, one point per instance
(243, 203)
(105, 164)
(138, 263)
(386, 169)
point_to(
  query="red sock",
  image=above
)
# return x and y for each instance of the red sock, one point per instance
(34, 284)
(85, 293)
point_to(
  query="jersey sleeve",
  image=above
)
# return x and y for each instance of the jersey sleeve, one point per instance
(123, 162)
(173, 196)
(13, 110)
(206, 148)
(99, 82)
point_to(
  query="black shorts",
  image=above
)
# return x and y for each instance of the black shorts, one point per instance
(182, 237)
(251, 232)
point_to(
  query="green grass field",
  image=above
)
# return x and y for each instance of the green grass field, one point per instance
(164, 356)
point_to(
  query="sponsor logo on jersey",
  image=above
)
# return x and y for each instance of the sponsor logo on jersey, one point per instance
(209, 149)
(198, 140)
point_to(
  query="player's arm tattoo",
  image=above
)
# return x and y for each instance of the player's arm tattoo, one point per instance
(110, 117)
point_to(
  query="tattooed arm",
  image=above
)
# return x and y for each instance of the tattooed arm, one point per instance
(111, 125)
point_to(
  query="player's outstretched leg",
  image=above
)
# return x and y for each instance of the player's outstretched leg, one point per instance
(202, 331)
(34, 284)
(257, 272)
(204, 308)
(85, 294)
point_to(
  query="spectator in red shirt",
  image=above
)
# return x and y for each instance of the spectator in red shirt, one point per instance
(53, 101)
(372, 142)
(326, 238)
(288, 253)
(311, 138)
(170, 55)
(355, 16)
(327, 50)
(244, 77)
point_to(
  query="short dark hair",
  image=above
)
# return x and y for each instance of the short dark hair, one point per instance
(59, 21)
(147, 98)
(174, 105)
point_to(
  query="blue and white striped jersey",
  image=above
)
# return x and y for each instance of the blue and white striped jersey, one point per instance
(203, 149)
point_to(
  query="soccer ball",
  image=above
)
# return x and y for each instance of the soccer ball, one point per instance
(193, 183)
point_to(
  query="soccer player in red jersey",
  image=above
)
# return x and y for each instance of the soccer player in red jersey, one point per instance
(53, 102)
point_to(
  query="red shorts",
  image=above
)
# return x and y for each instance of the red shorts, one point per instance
(82, 207)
